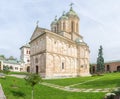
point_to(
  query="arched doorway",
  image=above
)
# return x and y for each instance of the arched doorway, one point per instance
(108, 68)
(28, 69)
(118, 68)
(36, 69)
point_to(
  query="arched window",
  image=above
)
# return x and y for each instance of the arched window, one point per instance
(63, 65)
(28, 60)
(64, 26)
(76, 27)
(72, 26)
(57, 27)
(27, 52)
(11, 67)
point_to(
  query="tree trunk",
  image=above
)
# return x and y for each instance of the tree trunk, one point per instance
(32, 92)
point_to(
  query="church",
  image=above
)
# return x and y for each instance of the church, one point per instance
(61, 51)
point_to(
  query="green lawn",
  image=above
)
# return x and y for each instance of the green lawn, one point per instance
(23, 91)
(107, 81)
(70, 81)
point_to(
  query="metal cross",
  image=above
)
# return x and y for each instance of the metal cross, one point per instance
(71, 4)
(37, 23)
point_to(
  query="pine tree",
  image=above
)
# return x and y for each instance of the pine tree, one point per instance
(100, 61)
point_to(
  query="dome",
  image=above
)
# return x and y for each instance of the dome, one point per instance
(78, 40)
(71, 13)
(55, 21)
(63, 17)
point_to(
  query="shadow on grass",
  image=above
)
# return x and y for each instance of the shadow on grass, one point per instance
(18, 93)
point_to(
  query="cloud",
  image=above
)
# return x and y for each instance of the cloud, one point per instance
(99, 23)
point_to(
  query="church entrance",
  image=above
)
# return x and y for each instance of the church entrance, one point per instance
(28, 69)
(36, 69)
(118, 68)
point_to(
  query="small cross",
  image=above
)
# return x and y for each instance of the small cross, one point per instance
(71, 4)
(55, 17)
(63, 12)
(37, 23)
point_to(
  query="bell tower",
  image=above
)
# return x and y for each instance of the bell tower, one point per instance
(73, 20)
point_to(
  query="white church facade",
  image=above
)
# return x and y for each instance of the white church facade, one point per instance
(61, 51)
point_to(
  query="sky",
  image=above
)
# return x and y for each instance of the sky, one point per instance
(99, 23)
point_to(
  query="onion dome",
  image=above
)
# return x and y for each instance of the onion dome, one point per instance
(63, 17)
(55, 21)
(71, 12)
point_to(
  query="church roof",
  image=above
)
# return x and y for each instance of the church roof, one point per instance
(71, 12)
(11, 61)
(63, 16)
(27, 45)
(55, 21)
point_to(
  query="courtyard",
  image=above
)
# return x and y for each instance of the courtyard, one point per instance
(68, 88)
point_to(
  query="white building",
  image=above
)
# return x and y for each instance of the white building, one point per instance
(25, 56)
(17, 66)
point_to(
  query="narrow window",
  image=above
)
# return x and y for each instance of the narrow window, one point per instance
(72, 26)
(57, 27)
(76, 27)
(36, 69)
(27, 52)
(63, 26)
(62, 65)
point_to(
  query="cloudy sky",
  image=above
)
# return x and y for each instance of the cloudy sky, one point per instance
(99, 23)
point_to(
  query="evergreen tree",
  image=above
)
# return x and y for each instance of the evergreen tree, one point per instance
(100, 61)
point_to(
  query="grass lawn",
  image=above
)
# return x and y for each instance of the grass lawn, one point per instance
(110, 80)
(16, 88)
(70, 81)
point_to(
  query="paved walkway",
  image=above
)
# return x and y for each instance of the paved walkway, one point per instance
(84, 82)
(67, 88)
(18, 76)
(2, 95)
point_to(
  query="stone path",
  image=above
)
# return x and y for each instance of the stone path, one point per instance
(84, 82)
(67, 88)
(2, 96)
(18, 76)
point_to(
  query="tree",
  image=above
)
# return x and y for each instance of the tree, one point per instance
(33, 79)
(2, 57)
(6, 69)
(100, 61)
(11, 58)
